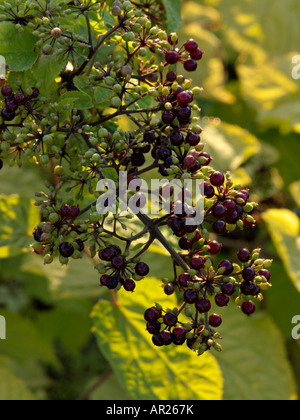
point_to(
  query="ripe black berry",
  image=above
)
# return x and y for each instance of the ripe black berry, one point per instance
(190, 296)
(228, 289)
(193, 139)
(157, 340)
(227, 265)
(107, 254)
(149, 137)
(103, 279)
(197, 263)
(184, 114)
(220, 227)
(197, 54)
(184, 279)
(142, 269)
(221, 300)
(129, 285)
(176, 138)
(179, 335)
(218, 211)
(66, 250)
(65, 211)
(169, 289)
(19, 98)
(138, 159)
(247, 288)
(191, 46)
(184, 99)
(171, 76)
(74, 212)
(153, 327)
(172, 57)
(214, 248)
(6, 91)
(80, 244)
(230, 206)
(217, 179)
(170, 319)
(11, 106)
(118, 262)
(248, 274)
(209, 191)
(37, 235)
(265, 273)
(152, 314)
(190, 65)
(166, 337)
(168, 117)
(244, 255)
(215, 320)
(7, 116)
(203, 305)
(248, 308)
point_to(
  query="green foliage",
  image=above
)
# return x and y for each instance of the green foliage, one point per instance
(51, 352)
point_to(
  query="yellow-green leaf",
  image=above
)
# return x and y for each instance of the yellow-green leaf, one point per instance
(284, 228)
(145, 371)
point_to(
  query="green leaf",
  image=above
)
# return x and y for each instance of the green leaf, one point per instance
(284, 228)
(24, 342)
(254, 360)
(18, 49)
(295, 191)
(145, 371)
(12, 388)
(77, 100)
(103, 96)
(46, 70)
(173, 10)
(18, 218)
(231, 146)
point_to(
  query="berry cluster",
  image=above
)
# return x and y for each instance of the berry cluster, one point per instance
(138, 79)
(200, 287)
(119, 271)
(14, 100)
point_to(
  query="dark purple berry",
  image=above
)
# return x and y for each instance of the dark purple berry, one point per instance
(184, 115)
(172, 57)
(118, 262)
(228, 266)
(248, 308)
(153, 327)
(221, 300)
(247, 288)
(166, 337)
(179, 335)
(138, 159)
(184, 99)
(190, 296)
(215, 320)
(168, 117)
(103, 279)
(164, 153)
(170, 319)
(6, 91)
(218, 211)
(66, 250)
(142, 269)
(171, 76)
(248, 274)
(80, 244)
(65, 211)
(228, 289)
(209, 191)
(265, 273)
(7, 116)
(193, 139)
(203, 305)
(197, 54)
(129, 285)
(232, 218)
(197, 262)
(177, 138)
(19, 98)
(220, 227)
(11, 106)
(230, 206)
(185, 243)
(217, 179)
(214, 248)
(184, 279)
(169, 289)
(190, 65)
(152, 314)
(107, 254)
(244, 255)
(149, 137)
(191, 46)
(157, 340)
(74, 212)
(37, 235)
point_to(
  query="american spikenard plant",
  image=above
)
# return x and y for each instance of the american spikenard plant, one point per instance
(86, 64)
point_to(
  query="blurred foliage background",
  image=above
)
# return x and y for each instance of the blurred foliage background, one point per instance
(251, 115)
